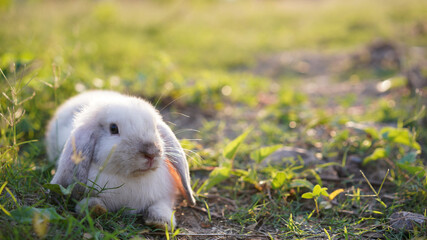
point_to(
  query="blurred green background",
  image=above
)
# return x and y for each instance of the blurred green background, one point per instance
(189, 48)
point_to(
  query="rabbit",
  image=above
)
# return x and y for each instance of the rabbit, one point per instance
(120, 146)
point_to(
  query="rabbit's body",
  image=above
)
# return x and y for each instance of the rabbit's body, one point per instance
(120, 146)
(133, 193)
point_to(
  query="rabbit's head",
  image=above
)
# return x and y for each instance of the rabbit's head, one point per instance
(126, 140)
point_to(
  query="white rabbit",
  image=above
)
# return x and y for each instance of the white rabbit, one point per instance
(120, 144)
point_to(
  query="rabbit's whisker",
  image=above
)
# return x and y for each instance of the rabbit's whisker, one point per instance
(179, 113)
(186, 130)
(158, 100)
(193, 156)
(189, 139)
(192, 139)
(176, 99)
(171, 123)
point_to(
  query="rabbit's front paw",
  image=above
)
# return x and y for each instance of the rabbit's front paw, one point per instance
(95, 206)
(160, 214)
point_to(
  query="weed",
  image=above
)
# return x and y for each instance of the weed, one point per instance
(315, 194)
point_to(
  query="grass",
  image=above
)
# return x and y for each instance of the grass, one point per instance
(204, 57)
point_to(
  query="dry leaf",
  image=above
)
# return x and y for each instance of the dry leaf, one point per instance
(40, 224)
(87, 236)
(335, 193)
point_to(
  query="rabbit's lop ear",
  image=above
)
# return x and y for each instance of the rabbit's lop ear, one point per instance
(176, 156)
(75, 160)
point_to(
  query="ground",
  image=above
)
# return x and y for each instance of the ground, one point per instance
(268, 103)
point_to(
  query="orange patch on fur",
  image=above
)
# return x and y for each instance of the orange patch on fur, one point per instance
(176, 178)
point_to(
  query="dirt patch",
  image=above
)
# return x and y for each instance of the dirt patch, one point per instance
(379, 55)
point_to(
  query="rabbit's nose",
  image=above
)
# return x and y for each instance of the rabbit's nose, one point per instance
(149, 151)
(148, 156)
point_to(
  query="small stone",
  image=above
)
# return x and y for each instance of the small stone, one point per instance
(407, 220)
(87, 236)
(286, 155)
(355, 159)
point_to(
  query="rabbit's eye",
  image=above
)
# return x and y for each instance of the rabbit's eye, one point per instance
(114, 129)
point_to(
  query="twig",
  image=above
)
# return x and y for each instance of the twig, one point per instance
(264, 221)
(369, 183)
(271, 199)
(224, 199)
(347, 212)
(205, 211)
(413, 177)
(350, 180)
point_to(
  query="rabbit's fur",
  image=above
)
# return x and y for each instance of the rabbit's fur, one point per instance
(133, 164)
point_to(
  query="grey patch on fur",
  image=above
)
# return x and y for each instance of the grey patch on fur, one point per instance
(81, 144)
